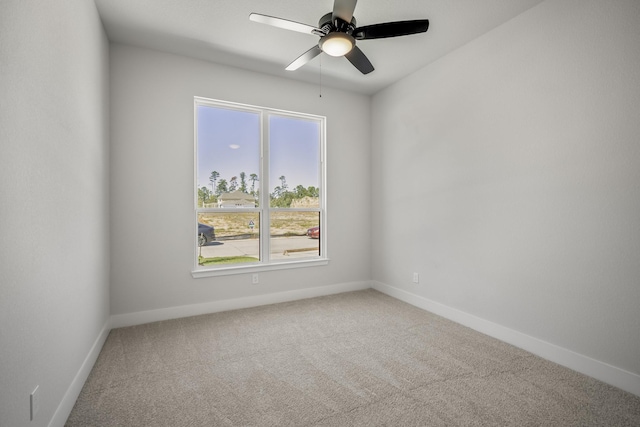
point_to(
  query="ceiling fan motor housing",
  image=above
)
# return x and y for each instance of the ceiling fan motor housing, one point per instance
(327, 24)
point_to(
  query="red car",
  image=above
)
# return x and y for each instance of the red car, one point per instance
(314, 232)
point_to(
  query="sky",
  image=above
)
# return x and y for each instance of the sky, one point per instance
(229, 143)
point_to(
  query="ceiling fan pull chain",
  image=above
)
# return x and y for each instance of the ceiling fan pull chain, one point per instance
(320, 76)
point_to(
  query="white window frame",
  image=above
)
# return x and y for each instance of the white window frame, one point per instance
(264, 208)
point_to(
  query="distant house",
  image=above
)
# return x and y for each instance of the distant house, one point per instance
(236, 199)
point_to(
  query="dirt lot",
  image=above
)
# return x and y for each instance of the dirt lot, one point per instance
(238, 223)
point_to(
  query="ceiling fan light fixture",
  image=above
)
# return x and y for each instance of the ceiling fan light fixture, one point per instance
(337, 44)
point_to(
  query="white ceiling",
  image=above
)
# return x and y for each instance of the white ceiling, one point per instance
(220, 31)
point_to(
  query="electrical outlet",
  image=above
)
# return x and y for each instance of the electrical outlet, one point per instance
(34, 402)
(416, 278)
(255, 279)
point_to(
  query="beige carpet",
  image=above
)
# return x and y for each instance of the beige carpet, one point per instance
(355, 359)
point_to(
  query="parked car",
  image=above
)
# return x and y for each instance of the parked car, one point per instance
(314, 232)
(206, 234)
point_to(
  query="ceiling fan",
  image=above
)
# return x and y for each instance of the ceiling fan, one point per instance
(338, 34)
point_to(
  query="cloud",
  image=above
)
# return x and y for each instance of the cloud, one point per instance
(234, 146)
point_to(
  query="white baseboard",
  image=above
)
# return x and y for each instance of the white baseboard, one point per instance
(609, 374)
(141, 317)
(69, 399)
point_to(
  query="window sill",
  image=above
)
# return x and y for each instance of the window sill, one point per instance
(245, 269)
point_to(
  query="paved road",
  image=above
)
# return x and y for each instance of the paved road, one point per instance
(249, 247)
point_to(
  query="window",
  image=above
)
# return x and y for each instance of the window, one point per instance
(259, 189)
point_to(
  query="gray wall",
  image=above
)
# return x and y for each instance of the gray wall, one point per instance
(507, 174)
(152, 178)
(53, 200)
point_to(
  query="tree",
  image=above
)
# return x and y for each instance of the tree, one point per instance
(313, 191)
(233, 183)
(204, 196)
(277, 192)
(243, 182)
(253, 178)
(280, 199)
(222, 187)
(283, 180)
(213, 178)
(300, 192)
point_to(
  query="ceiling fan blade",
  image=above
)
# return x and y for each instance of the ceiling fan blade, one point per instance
(391, 29)
(304, 58)
(359, 60)
(343, 9)
(283, 23)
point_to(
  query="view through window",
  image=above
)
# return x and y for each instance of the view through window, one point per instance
(259, 186)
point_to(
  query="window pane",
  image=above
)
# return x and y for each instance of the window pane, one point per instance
(295, 234)
(228, 153)
(294, 162)
(237, 238)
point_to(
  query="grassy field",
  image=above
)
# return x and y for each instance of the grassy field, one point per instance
(282, 223)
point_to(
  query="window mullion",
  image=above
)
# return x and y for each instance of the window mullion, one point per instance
(265, 241)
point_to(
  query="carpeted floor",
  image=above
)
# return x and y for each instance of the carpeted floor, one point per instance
(355, 359)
